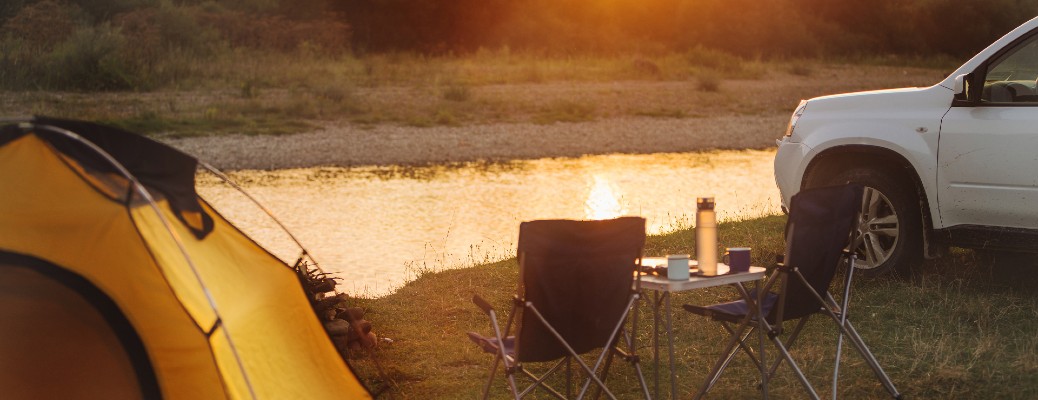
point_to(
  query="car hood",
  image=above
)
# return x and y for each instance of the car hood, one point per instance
(889, 99)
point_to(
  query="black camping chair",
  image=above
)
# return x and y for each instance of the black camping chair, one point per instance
(821, 225)
(577, 285)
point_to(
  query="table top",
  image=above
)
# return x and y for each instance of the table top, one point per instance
(663, 284)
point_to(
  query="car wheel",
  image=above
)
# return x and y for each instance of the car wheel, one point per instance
(889, 233)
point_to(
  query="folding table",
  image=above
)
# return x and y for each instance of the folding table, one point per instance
(662, 287)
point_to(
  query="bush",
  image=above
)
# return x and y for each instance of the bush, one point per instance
(42, 26)
(708, 81)
(714, 59)
(89, 60)
(28, 36)
(274, 32)
(457, 92)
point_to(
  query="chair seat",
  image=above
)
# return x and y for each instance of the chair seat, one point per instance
(732, 311)
(490, 344)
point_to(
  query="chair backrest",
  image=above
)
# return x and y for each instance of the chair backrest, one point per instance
(818, 230)
(579, 276)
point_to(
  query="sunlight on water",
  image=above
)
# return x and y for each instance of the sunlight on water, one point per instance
(377, 227)
(602, 201)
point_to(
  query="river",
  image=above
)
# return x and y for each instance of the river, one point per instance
(378, 227)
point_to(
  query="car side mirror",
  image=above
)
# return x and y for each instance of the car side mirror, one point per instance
(959, 87)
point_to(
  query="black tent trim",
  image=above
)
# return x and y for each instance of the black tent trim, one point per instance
(155, 165)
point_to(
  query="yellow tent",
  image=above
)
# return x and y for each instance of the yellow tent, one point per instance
(118, 281)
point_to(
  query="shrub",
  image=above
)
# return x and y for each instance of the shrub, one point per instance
(42, 26)
(275, 32)
(457, 92)
(28, 36)
(714, 59)
(800, 69)
(708, 81)
(644, 67)
(89, 60)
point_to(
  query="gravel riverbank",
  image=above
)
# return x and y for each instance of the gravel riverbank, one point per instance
(348, 145)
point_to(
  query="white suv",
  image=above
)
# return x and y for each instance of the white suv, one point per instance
(952, 164)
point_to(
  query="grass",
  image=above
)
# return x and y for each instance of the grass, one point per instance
(259, 93)
(959, 327)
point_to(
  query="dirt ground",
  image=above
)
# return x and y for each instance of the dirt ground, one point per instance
(347, 145)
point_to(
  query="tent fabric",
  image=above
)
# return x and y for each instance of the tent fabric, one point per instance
(157, 166)
(58, 310)
(218, 316)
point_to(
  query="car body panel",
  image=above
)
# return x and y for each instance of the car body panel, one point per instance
(987, 179)
(988, 172)
(905, 121)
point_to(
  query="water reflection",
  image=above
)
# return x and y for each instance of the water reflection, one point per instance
(378, 227)
(602, 201)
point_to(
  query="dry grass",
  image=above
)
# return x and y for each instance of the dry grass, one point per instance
(257, 94)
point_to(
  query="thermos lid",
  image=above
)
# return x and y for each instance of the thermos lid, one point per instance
(705, 203)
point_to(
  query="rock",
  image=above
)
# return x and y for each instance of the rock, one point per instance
(370, 340)
(341, 344)
(338, 327)
(352, 314)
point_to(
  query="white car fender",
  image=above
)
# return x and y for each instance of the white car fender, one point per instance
(880, 119)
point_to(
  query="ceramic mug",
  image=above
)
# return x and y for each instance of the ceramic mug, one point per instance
(677, 267)
(738, 259)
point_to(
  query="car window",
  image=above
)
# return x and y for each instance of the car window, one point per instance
(1013, 77)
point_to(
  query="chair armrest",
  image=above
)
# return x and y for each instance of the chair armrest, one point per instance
(482, 304)
(779, 265)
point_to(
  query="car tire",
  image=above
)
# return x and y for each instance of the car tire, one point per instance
(889, 232)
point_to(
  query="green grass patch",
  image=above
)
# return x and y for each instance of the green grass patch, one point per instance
(960, 327)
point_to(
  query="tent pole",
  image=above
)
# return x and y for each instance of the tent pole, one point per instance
(139, 188)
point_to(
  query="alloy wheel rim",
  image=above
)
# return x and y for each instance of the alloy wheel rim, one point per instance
(878, 229)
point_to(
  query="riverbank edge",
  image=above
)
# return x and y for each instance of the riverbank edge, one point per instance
(352, 146)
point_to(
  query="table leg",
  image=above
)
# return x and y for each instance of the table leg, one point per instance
(656, 339)
(762, 324)
(670, 348)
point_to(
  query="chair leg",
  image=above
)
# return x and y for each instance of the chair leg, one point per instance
(733, 352)
(742, 344)
(538, 381)
(792, 342)
(859, 344)
(730, 349)
(569, 378)
(605, 370)
(490, 381)
(796, 369)
(631, 356)
(587, 370)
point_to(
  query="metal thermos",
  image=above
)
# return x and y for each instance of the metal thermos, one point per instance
(706, 236)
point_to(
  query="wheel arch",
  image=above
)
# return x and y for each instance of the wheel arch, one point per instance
(840, 158)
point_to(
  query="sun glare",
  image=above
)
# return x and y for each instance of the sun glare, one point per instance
(602, 200)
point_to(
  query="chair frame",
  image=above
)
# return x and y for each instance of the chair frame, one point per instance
(781, 274)
(595, 375)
